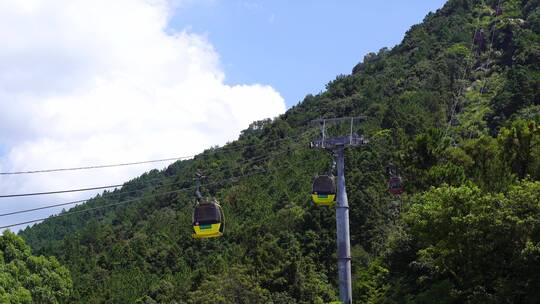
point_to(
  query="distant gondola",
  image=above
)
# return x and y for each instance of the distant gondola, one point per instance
(498, 10)
(208, 220)
(395, 185)
(324, 190)
(480, 40)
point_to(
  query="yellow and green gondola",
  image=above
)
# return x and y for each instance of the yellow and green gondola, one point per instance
(324, 191)
(208, 220)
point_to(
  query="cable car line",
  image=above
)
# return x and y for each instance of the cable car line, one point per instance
(133, 200)
(117, 185)
(45, 207)
(122, 203)
(498, 12)
(104, 206)
(108, 196)
(459, 93)
(89, 209)
(467, 70)
(96, 166)
(245, 161)
(59, 191)
(131, 163)
(65, 191)
(137, 199)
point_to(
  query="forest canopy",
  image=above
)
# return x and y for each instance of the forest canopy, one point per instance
(25, 278)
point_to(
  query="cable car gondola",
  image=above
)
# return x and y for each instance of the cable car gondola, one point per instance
(324, 190)
(208, 220)
(395, 185)
(480, 41)
(498, 10)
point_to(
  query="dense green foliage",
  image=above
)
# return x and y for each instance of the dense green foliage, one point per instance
(468, 231)
(471, 246)
(25, 278)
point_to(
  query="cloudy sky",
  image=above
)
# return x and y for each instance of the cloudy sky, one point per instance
(86, 82)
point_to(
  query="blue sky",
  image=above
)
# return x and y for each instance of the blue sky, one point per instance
(297, 47)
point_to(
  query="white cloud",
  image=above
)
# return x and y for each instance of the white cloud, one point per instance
(91, 82)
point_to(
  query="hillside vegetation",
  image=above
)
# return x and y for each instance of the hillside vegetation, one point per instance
(469, 227)
(27, 279)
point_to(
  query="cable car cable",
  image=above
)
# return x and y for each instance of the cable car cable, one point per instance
(466, 71)
(104, 196)
(129, 163)
(95, 166)
(128, 201)
(117, 204)
(103, 187)
(61, 191)
(490, 50)
(46, 207)
(256, 159)
(85, 200)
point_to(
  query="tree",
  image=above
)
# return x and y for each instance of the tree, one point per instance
(29, 279)
(475, 247)
(521, 146)
(233, 286)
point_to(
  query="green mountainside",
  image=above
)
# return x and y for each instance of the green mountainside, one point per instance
(469, 227)
(27, 279)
